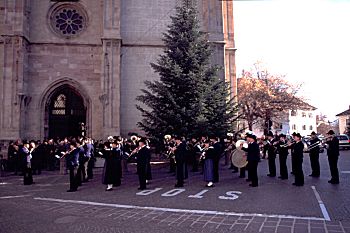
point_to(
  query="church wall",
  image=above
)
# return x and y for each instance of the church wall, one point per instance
(40, 31)
(50, 63)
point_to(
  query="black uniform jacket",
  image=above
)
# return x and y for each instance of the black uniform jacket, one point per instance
(333, 147)
(253, 152)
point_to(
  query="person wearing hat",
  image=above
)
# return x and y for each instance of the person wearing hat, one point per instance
(180, 159)
(112, 167)
(314, 155)
(208, 155)
(282, 148)
(333, 154)
(217, 155)
(143, 155)
(72, 160)
(253, 158)
(291, 145)
(298, 153)
(26, 163)
(271, 153)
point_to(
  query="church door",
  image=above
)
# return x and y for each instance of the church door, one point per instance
(67, 113)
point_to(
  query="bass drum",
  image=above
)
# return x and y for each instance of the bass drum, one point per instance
(238, 158)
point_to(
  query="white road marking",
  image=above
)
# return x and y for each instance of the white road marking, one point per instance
(210, 212)
(231, 195)
(199, 195)
(322, 205)
(173, 192)
(9, 197)
(3, 183)
(148, 191)
(345, 172)
(36, 190)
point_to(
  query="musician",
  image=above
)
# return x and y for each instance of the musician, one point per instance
(314, 155)
(298, 153)
(112, 167)
(142, 156)
(253, 158)
(26, 156)
(283, 154)
(180, 158)
(208, 155)
(333, 155)
(218, 151)
(271, 152)
(194, 150)
(89, 164)
(169, 145)
(72, 159)
(291, 145)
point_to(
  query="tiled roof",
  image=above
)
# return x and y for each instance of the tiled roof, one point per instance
(345, 113)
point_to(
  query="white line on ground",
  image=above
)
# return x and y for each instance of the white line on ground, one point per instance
(322, 205)
(345, 172)
(9, 197)
(211, 212)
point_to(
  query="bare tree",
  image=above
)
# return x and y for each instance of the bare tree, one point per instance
(263, 96)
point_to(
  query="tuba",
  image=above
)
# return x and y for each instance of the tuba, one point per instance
(238, 156)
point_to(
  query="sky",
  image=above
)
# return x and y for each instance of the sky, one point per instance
(306, 40)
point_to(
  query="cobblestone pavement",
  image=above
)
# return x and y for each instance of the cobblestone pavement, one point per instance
(232, 206)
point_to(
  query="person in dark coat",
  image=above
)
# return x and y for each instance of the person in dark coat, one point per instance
(112, 170)
(282, 148)
(26, 157)
(253, 158)
(72, 160)
(217, 155)
(180, 159)
(333, 155)
(142, 154)
(315, 155)
(271, 153)
(298, 153)
(292, 155)
(208, 156)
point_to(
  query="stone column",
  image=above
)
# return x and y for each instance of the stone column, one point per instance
(230, 50)
(110, 77)
(212, 23)
(14, 97)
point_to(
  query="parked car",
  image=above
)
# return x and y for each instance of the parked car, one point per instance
(344, 141)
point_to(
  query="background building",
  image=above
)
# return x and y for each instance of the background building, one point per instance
(72, 66)
(299, 121)
(344, 121)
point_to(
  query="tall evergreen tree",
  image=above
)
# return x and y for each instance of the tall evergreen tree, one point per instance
(189, 99)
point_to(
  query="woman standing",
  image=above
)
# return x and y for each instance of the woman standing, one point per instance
(112, 167)
(208, 157)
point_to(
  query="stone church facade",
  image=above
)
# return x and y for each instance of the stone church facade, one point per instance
(72, 65)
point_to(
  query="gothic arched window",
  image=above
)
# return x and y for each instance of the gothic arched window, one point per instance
(59, 105)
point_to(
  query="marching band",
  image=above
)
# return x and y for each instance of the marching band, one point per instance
(205, 153)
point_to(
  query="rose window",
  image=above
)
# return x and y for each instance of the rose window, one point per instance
(68, 20)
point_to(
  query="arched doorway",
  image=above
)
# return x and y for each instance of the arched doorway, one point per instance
(67, 113)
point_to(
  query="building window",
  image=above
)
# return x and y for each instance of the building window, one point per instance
(293, 113)
(310, 115)
(303, 114)
(294, 127)
(59, 106)
(68, 19)
(311, 128)
(304, 127)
